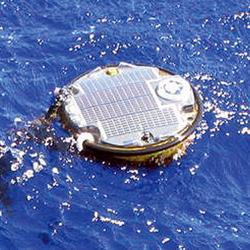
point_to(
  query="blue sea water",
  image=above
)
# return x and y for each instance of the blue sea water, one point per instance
(51, 199)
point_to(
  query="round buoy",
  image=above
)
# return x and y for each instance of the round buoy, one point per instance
(130, 112)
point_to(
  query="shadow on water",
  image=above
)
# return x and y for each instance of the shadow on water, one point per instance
(5, 169)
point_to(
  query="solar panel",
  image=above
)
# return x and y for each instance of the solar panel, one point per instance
(139, 122)
(125, 104)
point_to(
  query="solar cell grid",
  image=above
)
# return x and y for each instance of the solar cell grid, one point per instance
(131, 123)
(125, 77)
(122, 103)
(112, 95)
(116, 109)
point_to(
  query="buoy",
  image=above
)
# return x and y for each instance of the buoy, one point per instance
(136, 113)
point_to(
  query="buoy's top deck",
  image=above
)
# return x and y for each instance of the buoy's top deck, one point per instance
(127, 101)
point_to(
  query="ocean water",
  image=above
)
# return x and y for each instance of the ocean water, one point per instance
(51, 199)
